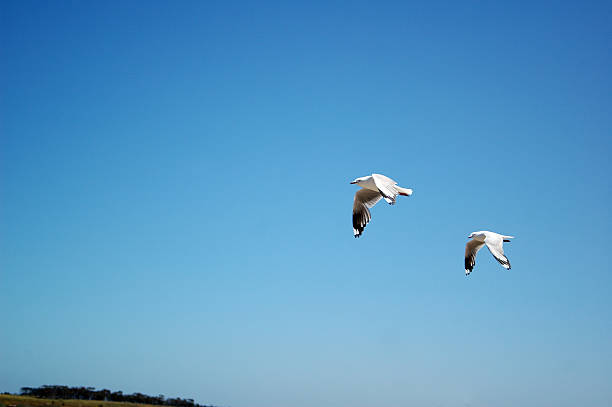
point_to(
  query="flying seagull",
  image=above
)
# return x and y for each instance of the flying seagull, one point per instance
(375, 187)
(494, 242)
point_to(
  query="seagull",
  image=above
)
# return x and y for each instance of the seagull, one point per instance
(494, 242)
(375, 187)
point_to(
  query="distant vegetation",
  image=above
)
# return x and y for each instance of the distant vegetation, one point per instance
(12, 400)
(90, 393)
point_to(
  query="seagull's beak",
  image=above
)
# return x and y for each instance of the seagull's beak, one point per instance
(353, 182)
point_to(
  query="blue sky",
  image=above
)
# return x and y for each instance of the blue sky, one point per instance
(175, 203)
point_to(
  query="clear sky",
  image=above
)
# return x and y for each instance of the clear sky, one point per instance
(175, 203)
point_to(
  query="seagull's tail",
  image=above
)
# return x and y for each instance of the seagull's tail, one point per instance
(507, 237)
(403, 191)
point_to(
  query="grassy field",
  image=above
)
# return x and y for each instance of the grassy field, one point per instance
(24, 401)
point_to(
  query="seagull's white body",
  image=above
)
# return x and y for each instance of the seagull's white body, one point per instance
(375, 187)
(494, 242)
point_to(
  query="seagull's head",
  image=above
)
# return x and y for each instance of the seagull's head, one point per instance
(358, 180)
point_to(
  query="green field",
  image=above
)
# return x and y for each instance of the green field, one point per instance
(9, 400)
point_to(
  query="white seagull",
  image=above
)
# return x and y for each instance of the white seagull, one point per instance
(494, 242)
(375, 187)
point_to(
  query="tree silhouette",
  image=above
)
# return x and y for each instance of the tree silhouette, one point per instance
(90, 393)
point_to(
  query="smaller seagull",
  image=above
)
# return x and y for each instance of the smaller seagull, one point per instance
(494, 242)
(375, 187)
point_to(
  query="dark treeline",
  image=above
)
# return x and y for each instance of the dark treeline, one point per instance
(90, 393)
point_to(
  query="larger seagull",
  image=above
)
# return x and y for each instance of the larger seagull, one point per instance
(375, 187)
(494, 242)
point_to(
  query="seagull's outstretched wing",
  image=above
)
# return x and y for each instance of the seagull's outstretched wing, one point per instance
(364, 200)
(386, 187)
(497, 250)
(471, 248)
